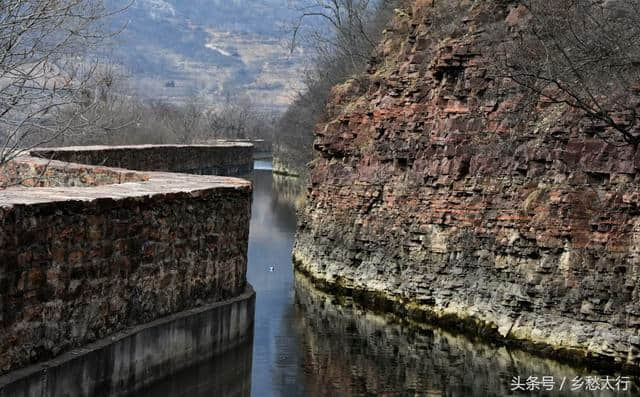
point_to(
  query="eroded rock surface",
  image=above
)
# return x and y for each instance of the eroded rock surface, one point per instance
(435, 189)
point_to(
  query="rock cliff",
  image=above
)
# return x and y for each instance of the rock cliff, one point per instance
(459, 199)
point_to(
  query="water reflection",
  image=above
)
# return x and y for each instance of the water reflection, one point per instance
(349, 351)
(287, 190)
(262, 165)
(214, 377)
(308, 343)
(276, 359)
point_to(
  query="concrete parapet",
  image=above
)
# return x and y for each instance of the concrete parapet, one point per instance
(134, 358)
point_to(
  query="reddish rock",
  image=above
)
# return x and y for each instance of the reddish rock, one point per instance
(487, 212)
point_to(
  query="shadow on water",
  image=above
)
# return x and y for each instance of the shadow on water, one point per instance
(307, 342)
(211, 378)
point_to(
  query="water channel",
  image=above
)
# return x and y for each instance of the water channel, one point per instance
(308, 343)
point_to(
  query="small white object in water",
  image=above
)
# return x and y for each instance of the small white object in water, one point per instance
(271, 268)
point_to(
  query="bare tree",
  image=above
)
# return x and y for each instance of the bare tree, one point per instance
(584, 54)
(340, 32)
(186, 122)
(112, 109)
(340, 37)
(45, 70)
(237, 117)
(125, 119)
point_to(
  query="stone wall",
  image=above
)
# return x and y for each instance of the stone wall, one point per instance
(261, 147)
(221, 158)
(39, 172)
(435, 190)
(80, 263)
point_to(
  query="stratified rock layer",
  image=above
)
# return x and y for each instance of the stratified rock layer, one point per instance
(435, 189)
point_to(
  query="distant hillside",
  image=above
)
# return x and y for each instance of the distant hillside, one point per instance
(175, 49)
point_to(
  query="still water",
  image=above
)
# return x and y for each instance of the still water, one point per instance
(307, 343)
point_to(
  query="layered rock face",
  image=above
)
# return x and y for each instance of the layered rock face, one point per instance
(433, 188)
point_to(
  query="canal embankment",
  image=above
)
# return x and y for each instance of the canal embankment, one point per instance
(106, 256)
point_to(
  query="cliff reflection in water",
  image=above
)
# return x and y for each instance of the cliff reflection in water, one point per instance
(352, 352)
(288, 190)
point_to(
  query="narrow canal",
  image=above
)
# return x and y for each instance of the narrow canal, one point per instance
(308, 343)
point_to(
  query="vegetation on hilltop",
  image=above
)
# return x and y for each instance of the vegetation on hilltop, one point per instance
(341, 49)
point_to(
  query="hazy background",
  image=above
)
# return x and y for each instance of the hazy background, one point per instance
(175, 49)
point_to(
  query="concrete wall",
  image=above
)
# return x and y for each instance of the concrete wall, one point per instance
(87, 260)
(221, 158)
(120, 365)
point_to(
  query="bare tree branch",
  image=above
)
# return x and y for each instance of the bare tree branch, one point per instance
(46, 72)
(584, 54)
